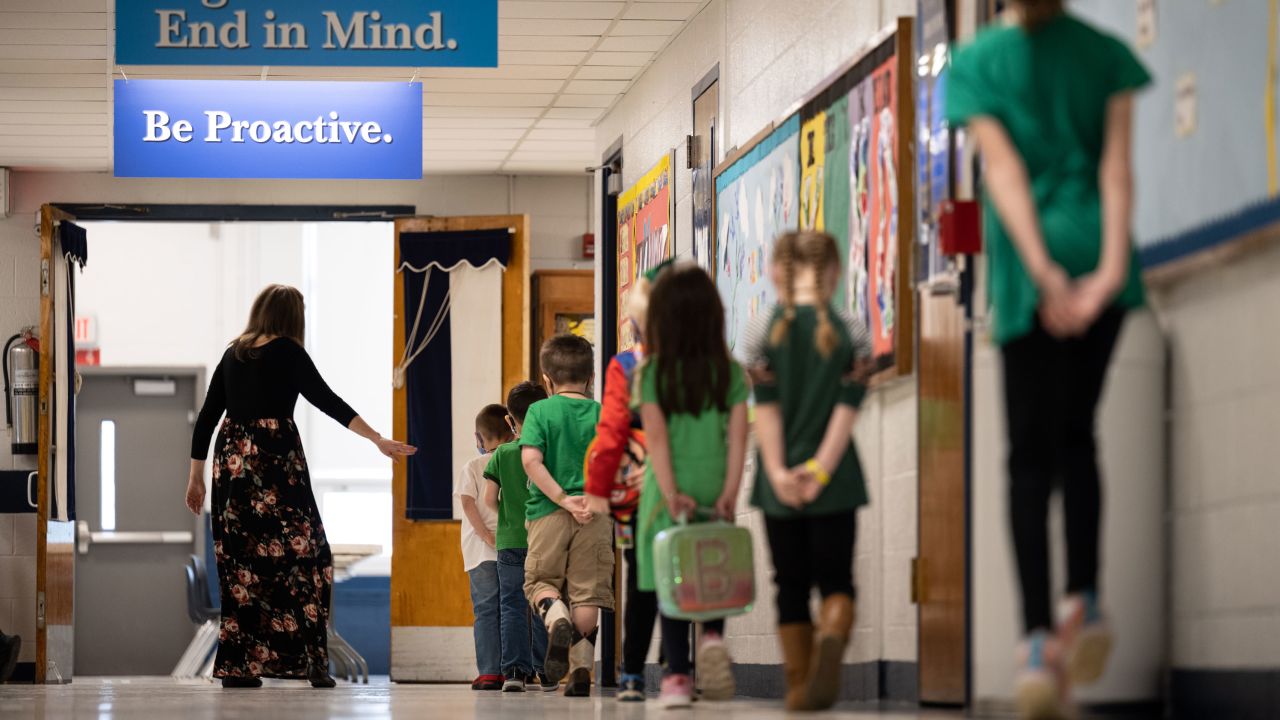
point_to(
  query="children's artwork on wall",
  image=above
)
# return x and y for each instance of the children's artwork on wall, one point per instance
(848, 149)
(757, 199)
(813, 148)
(644, 236)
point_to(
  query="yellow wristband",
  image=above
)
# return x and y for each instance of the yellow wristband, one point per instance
(819, 473)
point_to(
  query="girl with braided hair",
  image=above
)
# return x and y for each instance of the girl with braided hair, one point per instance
(805, 356)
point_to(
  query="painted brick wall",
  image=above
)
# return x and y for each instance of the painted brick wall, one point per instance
(770, 54)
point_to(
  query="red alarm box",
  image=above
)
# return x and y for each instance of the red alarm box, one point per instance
(960, 227)
(589, 246)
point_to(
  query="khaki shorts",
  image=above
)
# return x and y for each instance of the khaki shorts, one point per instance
(574, 561)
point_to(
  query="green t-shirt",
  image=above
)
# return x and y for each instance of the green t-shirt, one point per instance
(699, 447)
(507, 470)
(807, 388)
(1049, 90)
(561, 427)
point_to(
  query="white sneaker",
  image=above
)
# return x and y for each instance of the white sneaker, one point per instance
(1041, 686)
(513, 685)
(1085, 637)
(715, 669)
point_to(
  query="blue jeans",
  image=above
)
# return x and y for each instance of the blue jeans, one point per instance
(524, 637)
(484, 601)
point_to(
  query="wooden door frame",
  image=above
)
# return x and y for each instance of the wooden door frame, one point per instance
(538, 311)
(409, 580)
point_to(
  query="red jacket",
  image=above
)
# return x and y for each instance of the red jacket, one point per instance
(617, 420)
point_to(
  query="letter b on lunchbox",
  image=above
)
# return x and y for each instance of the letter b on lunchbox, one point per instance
(704, 571)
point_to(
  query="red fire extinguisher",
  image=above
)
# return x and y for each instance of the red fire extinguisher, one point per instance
(22, 390)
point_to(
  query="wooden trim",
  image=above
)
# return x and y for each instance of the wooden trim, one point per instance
(422, 590)
(49, 216)
(905, 340)
(737, 153)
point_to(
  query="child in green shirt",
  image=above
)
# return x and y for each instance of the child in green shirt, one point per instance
(570, 548)
(809, 482)
(506, 494)
(693, 402)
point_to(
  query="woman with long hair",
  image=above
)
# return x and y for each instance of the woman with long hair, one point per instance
(1049, 100)
(275, 570)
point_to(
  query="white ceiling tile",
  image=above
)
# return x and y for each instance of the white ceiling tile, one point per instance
(563, 123)
(437, 123)
(549, 42)
(630, 43)
(431, 111)
(585, 101)
(607, 72)
(521, 57)
(665, 28)
(581, 10)
(510, 135)
(432, 145)
(556, 146)
(574, 113)
(597, 87)
(512, 72)
(594, 28)
(634, 59)
(660, 11)
(511, 100)
(574, 134)
(470, 85)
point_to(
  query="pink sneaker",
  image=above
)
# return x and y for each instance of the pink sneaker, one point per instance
(1084, 636)
(677, 692)
(1041, 688)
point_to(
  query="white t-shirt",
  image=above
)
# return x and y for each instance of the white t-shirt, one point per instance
(471, 482)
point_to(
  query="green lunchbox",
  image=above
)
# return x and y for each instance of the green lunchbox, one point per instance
(704, 571)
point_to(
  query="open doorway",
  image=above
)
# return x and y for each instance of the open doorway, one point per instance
(160, 303)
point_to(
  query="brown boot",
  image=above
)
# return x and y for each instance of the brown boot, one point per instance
(834, 624)
(797, 650)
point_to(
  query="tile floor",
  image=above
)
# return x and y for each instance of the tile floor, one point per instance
(165, 699)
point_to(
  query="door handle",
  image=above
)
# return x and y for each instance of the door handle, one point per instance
(112, 537)
(36, 502)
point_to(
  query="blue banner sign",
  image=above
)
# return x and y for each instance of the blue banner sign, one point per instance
(268, 129)
(396, 33)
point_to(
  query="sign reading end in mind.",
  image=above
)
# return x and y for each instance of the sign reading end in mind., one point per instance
(268, 129)
(393, 33)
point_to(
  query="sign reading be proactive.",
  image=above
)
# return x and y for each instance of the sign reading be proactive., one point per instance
(271, 129)
(403, 33)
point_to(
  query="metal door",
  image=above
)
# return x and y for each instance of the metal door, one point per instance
(134, 533)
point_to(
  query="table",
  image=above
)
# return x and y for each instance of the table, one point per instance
(348, 663)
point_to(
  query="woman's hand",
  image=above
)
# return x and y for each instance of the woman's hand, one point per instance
(394, 449)
(1057, 311)
(681, 505)
(1090, 296)
(195, 493)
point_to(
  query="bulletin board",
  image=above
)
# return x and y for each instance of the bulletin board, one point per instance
(645, 235)
(841, 163)
(1206, 171)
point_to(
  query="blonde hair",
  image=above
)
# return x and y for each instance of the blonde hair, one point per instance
(278, 311)
(638, 301)
(818, 251)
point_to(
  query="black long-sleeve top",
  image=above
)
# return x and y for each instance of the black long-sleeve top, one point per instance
(265, 386)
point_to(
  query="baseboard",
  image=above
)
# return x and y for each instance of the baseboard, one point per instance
(1225, 694)
(882, 680)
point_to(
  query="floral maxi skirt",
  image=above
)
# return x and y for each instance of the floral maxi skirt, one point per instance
(275, 569)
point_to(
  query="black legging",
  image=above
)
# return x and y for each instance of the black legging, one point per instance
(1051, 389)
(638, 616)
(808, 551)
(675, 642)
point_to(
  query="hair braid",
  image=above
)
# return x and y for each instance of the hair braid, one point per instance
(820, 259)
(784, 254)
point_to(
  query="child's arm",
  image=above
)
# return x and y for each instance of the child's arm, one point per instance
(772, 454)
(472, 513)
(540, 476)
(727, 505)
(612, 434)
(491, 495)
(659, 446)
(835, 441)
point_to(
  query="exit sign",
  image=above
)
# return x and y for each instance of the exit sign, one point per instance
(86, 332)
